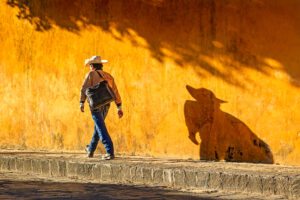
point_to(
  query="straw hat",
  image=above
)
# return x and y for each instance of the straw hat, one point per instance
(94, 59)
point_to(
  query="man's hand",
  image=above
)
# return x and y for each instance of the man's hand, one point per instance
(82, 107)
(120, 113)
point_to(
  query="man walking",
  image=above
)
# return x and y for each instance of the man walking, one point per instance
(100, 132)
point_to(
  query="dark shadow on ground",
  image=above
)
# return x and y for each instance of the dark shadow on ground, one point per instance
(11, 189)
(237, 34)
(223, 136)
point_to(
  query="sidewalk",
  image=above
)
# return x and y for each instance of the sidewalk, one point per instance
(178, 174)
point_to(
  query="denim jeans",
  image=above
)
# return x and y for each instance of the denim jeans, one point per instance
(100, 131)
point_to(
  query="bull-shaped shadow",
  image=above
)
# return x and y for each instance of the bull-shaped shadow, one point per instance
(223, 136)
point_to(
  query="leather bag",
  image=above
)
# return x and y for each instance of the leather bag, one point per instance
(100, 94)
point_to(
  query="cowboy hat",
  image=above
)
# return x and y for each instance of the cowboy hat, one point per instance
(94, 59)
(201, 93)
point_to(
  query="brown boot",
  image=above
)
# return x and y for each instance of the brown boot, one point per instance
(89, 154)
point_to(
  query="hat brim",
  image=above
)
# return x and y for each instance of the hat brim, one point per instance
(221, 101)
(88, 62)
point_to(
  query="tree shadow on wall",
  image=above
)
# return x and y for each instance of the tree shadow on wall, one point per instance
(205, 34)
(223, 136)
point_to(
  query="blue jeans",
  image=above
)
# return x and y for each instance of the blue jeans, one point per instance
(100, 131)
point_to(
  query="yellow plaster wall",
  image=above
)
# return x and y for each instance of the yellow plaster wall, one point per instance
(246, 53)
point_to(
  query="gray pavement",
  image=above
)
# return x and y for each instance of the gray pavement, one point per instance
(178, 175)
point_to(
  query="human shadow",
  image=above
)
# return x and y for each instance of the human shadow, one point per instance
(198, 33)
(223, 136)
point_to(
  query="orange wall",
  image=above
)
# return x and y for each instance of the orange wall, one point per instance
(243, 52)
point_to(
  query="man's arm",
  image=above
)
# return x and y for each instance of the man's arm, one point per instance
(86, 84)
(118, 100)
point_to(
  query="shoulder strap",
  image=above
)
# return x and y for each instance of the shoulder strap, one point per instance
(100, 74)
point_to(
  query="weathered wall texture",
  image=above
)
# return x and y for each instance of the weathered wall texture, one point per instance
(175, 63)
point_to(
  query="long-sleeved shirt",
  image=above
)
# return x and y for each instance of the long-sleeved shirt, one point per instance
(92, 78)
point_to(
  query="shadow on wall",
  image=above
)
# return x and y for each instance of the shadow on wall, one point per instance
(223, 136)
(196, 32)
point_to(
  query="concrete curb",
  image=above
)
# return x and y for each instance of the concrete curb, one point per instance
(284, 181)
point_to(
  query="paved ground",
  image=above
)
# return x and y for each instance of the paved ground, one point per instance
(25, 186)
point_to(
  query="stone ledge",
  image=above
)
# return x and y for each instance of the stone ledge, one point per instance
(201, 175)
